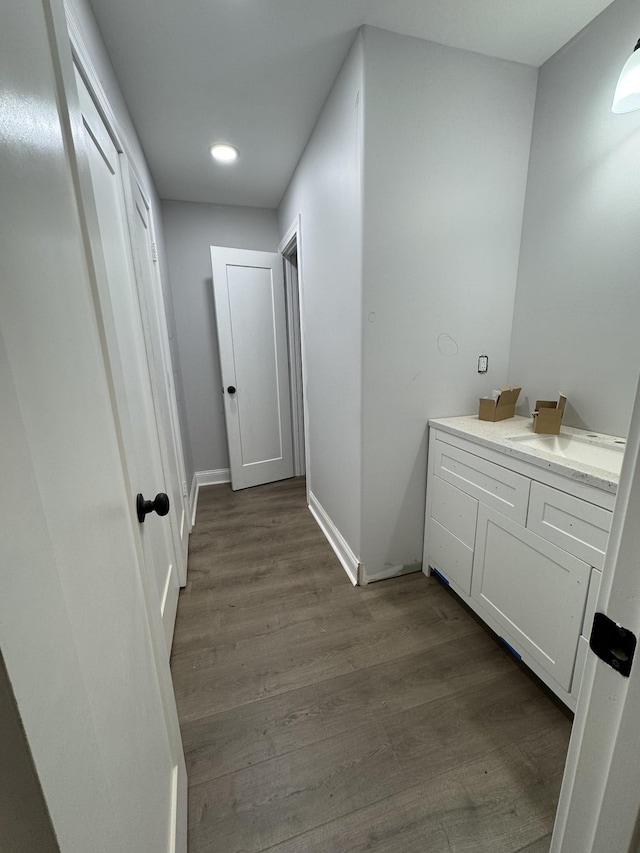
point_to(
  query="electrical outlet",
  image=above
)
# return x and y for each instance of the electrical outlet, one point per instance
(483, 363)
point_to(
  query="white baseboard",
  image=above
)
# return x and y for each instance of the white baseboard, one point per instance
(205, 478)
(337, 541)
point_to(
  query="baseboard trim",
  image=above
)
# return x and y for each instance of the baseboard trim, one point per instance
(343, 552)
(391, 572)
(205, 478)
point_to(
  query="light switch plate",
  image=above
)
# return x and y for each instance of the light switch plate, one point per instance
(483, 363)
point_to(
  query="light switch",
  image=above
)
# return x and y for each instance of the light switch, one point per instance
(483, 363)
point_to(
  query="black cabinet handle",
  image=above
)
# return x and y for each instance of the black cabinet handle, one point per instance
(231, 389)
(160, 504)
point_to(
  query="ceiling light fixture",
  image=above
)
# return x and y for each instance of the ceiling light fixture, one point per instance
(224, 153)
(627, 94)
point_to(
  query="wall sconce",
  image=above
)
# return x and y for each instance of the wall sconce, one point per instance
(627, 94)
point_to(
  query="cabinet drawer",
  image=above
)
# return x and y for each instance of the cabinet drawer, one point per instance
(454, 510)
(578, 527)
(488, 483)
(534, 590)
(450, 556)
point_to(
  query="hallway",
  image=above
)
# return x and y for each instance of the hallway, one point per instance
(320, 717)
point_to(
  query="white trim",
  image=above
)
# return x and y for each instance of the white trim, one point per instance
(212, 478)
(337, 541)
(293, 236)
(205, 478)
(290, 238)
(292, 309)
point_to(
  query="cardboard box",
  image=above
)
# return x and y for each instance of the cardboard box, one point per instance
(502, 408)
(548, 415)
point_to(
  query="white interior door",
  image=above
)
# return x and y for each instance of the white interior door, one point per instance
(252, 335)
(84, 651)
(160, 368)
(128, 357)
(599, 806)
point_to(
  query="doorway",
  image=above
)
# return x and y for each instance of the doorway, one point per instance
(260, 339)
(291, 259)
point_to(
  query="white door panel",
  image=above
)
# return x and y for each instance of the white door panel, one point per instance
(251, 321)
(83, 647)
(128, 357)
(599, 807)
(160, 369)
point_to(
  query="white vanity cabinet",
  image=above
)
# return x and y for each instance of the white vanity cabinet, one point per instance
(523, 546)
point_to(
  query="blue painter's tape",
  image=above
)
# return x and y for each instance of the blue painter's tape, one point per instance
(440, 576)
(511, 649)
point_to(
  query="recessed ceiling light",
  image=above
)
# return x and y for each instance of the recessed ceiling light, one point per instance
(224, 153)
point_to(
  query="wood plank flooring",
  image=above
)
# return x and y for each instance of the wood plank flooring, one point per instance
(321, 717)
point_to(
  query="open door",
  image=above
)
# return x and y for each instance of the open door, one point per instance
(156, 339)
(81, 637)
(599, 806)
(249, 297)
(128, 362)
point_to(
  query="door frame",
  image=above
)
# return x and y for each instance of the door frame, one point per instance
(292, 243)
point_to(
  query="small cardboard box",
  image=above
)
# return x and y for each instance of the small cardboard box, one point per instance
(502, 408)
(548, 415)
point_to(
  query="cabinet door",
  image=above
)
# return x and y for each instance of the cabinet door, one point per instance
(449, 556)
(533, 589)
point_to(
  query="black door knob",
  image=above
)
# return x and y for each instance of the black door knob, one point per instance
(231, 389)
(160, 504)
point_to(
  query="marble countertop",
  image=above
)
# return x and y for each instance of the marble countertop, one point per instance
(499, 436)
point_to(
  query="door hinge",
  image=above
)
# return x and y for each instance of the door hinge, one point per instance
(154, 252)
(612, 643)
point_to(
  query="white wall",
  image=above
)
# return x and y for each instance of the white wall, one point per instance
(447, 135)
(577, 308)
(190, 229)
(326, 191)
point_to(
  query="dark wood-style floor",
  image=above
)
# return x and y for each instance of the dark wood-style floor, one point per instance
(321, 717)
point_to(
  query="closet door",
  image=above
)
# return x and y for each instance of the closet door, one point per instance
(128, 358)
(156, 339)
(83, 649)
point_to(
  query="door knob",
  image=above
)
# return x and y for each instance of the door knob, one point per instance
(160, 505)
(231, 389)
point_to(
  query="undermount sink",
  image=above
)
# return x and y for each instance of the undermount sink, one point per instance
(604, 452)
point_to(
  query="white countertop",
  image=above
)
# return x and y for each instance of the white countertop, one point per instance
(499, 435)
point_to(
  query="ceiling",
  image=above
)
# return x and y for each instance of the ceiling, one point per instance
(255, 73)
